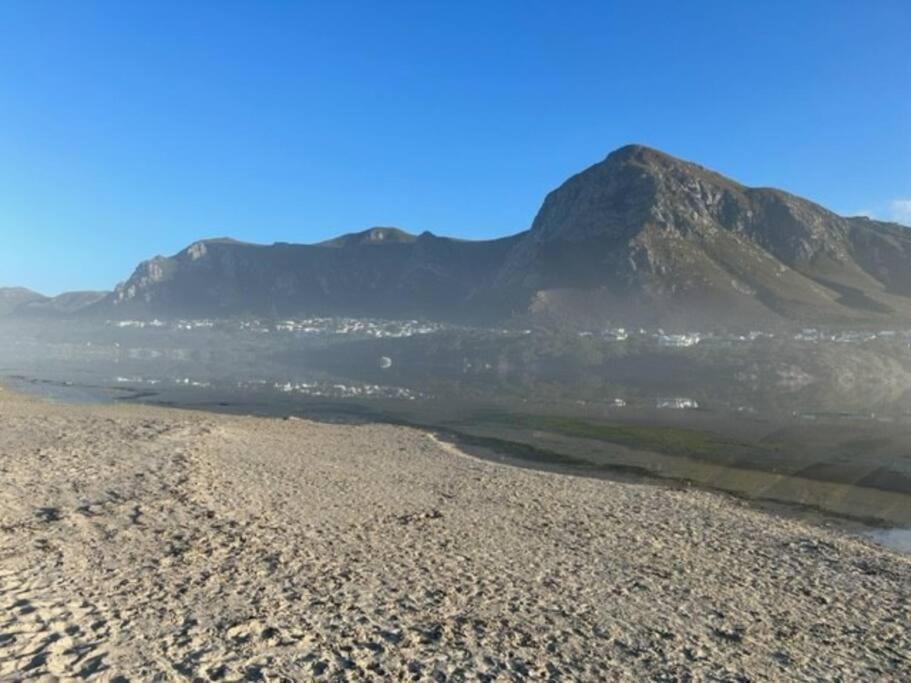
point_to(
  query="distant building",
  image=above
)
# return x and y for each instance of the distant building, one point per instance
(677, 404)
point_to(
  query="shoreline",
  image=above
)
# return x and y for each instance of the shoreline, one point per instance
(880, 531)
(150, 542)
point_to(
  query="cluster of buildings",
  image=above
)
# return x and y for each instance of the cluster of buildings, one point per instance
(677, 403)
(311, 326)
(377, 328)
(358, 326)
(136, 324)
(678, 341)
(203, 324)
(688, 339)
(846, 337)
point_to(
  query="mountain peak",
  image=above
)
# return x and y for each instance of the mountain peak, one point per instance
(633, 186)
(655, 161)
(222, 240)
(374, 235)
(639, 152)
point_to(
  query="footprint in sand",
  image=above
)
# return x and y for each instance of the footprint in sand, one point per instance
(41, 637)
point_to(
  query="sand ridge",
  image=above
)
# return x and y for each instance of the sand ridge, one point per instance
(147, 544)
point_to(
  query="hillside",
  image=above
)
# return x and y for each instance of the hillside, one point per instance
(645, 237)
(360, 274)
(639, 238)
(12, 298)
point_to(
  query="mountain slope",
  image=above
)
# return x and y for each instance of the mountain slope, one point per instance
(379, 272)
(12, 298)
(639, 238)
(645, 237)
(68, 303)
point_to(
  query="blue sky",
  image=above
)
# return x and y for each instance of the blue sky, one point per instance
(130, 129)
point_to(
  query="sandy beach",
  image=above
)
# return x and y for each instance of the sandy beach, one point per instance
(145, 544)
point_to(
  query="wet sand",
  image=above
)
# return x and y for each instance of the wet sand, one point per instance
(150, 544)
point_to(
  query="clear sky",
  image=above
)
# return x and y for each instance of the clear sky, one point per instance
(129, 129)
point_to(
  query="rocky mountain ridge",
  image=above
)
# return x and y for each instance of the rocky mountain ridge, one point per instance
(639, 238)
(381, 272)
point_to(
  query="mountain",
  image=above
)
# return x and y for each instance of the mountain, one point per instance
(12, 298)
(381, 272)
(639, 238)
(19, 302)
(647, 237)
(68, 303)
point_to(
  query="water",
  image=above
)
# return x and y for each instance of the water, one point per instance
(747, 423)
(897, 539)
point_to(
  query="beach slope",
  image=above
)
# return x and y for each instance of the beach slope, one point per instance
(152, 544)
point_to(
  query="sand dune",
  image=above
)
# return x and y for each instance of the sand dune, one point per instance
(142, 544)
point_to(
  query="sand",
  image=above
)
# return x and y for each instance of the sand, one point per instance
(145, 544)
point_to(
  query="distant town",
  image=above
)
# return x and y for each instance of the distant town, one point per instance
(378, 328)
